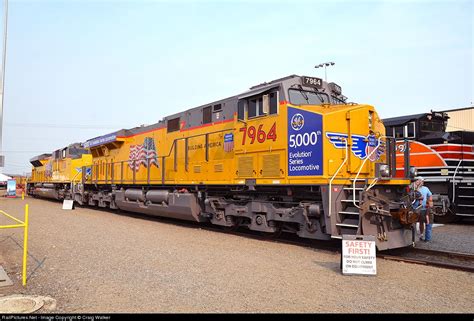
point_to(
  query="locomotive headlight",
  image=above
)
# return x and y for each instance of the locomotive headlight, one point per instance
(413, 172)
(382, 170)
(371, 117)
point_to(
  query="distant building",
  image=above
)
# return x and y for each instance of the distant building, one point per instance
(460, 119)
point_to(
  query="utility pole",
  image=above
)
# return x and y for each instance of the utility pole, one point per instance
(5, 24)
(325, 64)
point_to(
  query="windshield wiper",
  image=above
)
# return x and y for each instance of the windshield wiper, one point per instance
(305, 96)
(321, 95)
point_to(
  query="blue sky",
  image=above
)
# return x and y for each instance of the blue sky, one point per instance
(79, 69)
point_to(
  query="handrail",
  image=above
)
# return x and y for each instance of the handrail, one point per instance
(23, 224)
(360, 169)
(372, 184)
(335, 174)
(173, 146)
(72, 180)
(454, 175)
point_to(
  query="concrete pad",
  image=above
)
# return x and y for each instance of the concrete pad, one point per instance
(26, 303)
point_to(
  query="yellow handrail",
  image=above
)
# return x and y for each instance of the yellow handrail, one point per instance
(25, 237)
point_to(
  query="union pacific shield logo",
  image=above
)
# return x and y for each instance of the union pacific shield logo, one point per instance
(305, 150)
(228, 142)
(371, 145)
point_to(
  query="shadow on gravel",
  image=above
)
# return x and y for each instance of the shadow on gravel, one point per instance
(332, 266)
(39, 263)
(331, 245)
(465, 221)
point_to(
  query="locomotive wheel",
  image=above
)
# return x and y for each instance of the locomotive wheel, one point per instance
(272, 235)
(234, 227)
(449, 217)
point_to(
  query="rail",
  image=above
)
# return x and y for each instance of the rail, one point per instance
(21, 224)
(443, 259)
(335, 174)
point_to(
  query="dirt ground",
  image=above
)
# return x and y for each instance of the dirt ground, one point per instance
(101, 262)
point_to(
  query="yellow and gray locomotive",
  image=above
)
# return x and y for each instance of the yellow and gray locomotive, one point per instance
(289, 155)
(53, 175)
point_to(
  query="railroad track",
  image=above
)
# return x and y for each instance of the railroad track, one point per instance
(443, 259)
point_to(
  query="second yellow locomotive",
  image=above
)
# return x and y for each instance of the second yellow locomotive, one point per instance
(288, 155)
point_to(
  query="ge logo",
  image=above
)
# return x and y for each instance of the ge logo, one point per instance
(297, 122)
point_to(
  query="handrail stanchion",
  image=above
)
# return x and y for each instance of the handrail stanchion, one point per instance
(454, 176)
(332, 178)
(406, 158)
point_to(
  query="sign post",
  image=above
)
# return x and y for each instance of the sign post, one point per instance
(68, 204)
(358, 255)
(11, 188)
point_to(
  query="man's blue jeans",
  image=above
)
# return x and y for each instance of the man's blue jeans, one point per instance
(428, 230)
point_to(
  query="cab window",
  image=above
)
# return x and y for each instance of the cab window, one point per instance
(273, 103)
(257, 106)
(241, 109)
(410, 127)
(305, 97)
(206, 115)
(431, 126)
(398, 132)
(173, 125)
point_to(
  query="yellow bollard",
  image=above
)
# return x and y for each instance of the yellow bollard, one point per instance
(22, 195)
(25, 244)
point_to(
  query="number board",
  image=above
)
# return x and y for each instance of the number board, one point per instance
(312, 82)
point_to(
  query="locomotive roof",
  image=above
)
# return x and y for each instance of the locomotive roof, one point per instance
(40, 157)
(36, 161)
(402, 120)
(284, 82)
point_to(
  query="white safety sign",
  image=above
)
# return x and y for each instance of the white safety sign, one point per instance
(359, 255)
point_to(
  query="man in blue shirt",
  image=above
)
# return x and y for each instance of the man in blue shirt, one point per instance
(426, 202)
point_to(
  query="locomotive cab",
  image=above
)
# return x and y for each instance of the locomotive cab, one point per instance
(444, 158)
(53, 174)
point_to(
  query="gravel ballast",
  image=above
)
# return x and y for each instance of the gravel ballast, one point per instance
(98, 261)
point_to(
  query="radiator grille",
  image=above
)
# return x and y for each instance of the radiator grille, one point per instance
(218, 168)
(271, 165)
(245, 167)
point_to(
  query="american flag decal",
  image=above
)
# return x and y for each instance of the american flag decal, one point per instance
(228, 142)
(48, 172)
(140, 153)
(150, 150)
